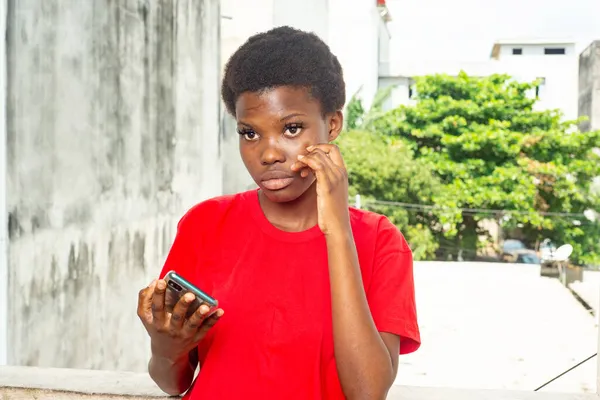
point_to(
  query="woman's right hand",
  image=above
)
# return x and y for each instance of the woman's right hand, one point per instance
(173, 335)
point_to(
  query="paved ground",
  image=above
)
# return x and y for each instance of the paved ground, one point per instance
(498, 326)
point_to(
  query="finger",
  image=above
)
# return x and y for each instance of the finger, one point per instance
(158, 302)
(209, 323)
(195, 320)
(328, 166)
(318, 166)
(144, 310)
(332, 151)
(180, 310)
(301, 167)
(320, 158)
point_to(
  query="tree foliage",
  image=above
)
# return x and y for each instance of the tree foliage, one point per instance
(382, 168)
(470, 145)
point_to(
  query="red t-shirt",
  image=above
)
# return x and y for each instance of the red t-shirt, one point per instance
(276, 338)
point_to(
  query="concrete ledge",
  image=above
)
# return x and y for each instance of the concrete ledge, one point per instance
(86, 382)
(28, 383)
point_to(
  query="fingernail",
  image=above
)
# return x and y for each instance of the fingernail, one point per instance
(309, 148)
(220, 313)
(300, 157)
(161, 284)
(152, 283)
(189, 297)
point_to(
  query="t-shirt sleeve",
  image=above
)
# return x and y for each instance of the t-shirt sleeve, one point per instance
(391, 292)
(182, 256)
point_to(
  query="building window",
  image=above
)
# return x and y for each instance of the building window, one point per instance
(554, 50)
(540, 88)
(412, 90)
(517, 51)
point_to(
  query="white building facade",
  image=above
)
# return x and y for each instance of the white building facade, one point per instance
(554, 62)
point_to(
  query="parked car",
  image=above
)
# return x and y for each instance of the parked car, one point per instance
(515, 251)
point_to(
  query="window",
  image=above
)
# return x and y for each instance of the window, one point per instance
(554, 50)
(539, 88)
(517, 51)
(412, 90)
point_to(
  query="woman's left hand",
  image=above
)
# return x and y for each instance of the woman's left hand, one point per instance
(326, 162)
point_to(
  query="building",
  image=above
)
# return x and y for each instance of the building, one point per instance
(554, 62)
(504, 49)
(589, 86)
(355, 30)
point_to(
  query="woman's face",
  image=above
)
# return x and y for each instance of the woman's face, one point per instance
(275, 127)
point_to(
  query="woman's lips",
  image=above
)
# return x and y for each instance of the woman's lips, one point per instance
(277, 183)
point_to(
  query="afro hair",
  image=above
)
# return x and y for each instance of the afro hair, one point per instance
(285, 56)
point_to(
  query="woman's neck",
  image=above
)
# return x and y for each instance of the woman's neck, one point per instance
(293, 216)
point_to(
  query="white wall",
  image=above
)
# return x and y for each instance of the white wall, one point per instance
(385, 50)
(112, 134)
(354, 37)
(400, 93)
(536, 50)
(308, 15)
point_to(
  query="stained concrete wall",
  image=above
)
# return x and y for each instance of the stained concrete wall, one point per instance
(112, 133)
(589, 87)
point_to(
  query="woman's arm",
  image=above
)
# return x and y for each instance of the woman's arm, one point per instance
(173, 377)
(367, 361)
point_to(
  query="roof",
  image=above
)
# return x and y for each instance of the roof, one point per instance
(527, 41)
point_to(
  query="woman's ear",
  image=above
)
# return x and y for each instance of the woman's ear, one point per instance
(336, 124)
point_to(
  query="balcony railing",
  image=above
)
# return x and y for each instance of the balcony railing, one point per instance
(50, 383)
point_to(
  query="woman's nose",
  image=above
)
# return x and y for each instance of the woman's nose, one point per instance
(272, 152)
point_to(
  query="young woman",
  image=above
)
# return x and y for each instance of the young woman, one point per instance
(317, 298)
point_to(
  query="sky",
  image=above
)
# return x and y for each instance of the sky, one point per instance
(465, 30)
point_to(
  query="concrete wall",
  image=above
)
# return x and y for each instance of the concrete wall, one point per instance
(589, 86)
(3, 213)
(112, 133)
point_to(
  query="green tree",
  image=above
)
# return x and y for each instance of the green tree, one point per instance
(483, 139)
(382, 168)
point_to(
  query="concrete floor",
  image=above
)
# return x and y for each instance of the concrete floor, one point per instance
(498, 326)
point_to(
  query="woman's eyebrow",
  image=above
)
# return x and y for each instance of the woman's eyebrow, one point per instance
(245, 124)
(292, 116)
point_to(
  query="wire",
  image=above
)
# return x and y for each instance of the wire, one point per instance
(470, 210)
(567, 371)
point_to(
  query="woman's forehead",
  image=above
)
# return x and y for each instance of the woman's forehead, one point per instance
(277, 102)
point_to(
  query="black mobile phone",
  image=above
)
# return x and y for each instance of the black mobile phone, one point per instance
(177, 286)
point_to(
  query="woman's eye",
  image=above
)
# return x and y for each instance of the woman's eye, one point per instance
(248, 134)
(293, 129)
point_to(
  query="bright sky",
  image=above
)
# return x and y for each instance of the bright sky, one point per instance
(465, 30)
